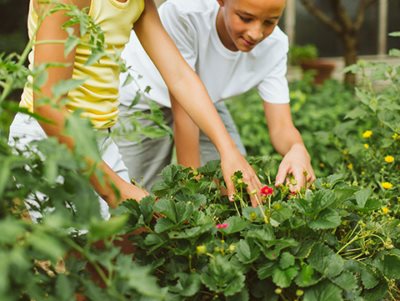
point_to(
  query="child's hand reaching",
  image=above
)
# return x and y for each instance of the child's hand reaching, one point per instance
(234, 161)
(297, 163)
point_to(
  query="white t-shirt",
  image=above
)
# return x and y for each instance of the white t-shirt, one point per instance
(225, 73)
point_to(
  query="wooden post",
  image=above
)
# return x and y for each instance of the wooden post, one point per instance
(290, 20)
(382, 27)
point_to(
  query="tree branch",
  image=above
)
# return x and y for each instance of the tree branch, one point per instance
(364, 4)
(320, 15)
(341, 14)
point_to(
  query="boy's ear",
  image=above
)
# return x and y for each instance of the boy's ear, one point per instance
(221, 2)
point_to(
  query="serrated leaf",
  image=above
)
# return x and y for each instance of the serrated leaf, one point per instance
(266, 270)
(391, 266)
(235, 224)
(369, 278)
(164, 224)
(284, 278)
(306, 277)
(286, 260)
(347, 281)
(222, 277)
(187, 285)
(327, 219)
(324, 291)
(325, 261)
(246, 251)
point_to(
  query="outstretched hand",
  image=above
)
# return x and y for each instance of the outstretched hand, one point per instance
(233, 162)
(296, 163)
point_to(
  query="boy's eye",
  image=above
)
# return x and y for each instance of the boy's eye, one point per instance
(268, 22)
(245, 19)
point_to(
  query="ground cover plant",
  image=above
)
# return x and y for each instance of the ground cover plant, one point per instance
(338, 240)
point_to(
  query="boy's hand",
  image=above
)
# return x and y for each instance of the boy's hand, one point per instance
(234, 161)
(297, 163)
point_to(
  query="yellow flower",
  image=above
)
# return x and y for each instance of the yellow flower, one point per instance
(387, 185)
(389, 159)
(366, 146)
(396, 136)
(367, 134)
(232, 248)
(385, 210)
(350, 166)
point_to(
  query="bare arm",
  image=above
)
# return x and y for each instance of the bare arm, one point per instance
(287, 140)
(51, 29)
(188, 90)
(186, 136)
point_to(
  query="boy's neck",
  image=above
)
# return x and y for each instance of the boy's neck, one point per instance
(223, 33)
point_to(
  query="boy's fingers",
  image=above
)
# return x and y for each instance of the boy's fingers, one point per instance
(230, 189)
(281, 175)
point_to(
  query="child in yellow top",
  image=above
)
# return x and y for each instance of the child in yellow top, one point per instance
(97, 97)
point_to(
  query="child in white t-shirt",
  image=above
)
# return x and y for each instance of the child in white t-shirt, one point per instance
(234, 46)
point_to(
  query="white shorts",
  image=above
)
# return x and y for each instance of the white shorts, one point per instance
(27, 129)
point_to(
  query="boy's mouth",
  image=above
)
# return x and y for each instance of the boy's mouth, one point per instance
(248, 43)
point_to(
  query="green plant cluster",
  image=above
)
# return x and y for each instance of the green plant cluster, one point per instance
(332, 242)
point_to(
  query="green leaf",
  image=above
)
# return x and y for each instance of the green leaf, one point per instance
(191, 233)
(4, 270)
(325, 291)
(266, 270)
(46, 245)
(84, 136)
(283, 278)
(242, 296)
(166, 207)
(164, 224)
(362, 196)
(395, 34)
(139, 278)
(146, 205)
(101, 229)
(325, 261)
(394, 52)
(222, 277)
(327, 219)
(347, 281)
(235, 224)
(306, 277)
(70, 44)
(247, 251)
(391, 266)
(369, 278)
(64, 86)
(64, 288)
(4, 175)
(286, 260)
(187, 285)
(378, 293)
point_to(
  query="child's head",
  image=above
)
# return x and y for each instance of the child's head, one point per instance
(242, 24)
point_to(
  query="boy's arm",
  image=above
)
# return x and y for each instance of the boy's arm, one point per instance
(287, 140)
(186, 136)
(187, 88)
(51, 29)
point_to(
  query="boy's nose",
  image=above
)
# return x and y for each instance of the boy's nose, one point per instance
(255, 34)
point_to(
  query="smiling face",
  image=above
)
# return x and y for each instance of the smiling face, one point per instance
(242, 24)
